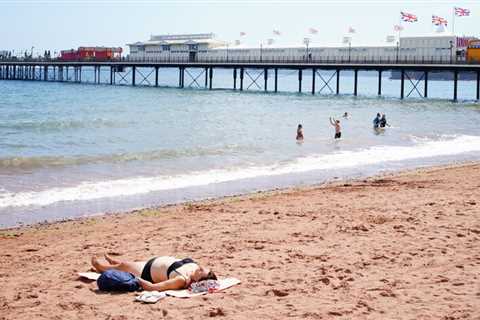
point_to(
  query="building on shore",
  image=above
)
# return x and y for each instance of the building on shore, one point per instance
(184, 46)
(205, 47)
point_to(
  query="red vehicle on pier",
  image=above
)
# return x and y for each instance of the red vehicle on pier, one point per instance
(91, 54)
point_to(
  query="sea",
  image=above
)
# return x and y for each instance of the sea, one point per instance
(69, 150)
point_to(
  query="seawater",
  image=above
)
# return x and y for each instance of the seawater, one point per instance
(69, 150)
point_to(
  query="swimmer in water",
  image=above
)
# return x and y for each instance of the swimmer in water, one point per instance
(383, 121)
(345, 115)
(338, 129)
(376, 121)
(299, 133)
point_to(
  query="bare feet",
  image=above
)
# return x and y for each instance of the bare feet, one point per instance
(112, 260)
(102, 267)
(97, 265)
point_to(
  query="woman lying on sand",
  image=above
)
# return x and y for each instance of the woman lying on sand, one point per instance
(159, 273)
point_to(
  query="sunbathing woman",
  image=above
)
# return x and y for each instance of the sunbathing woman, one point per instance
(160, 273)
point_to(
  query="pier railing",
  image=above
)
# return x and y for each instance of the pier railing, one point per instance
(271, 60)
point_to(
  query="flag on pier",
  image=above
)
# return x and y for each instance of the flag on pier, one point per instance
(351, 30)
(313, 31)
(242, 34)
(397, 28)
(408, 17)
(462, 12)
(438, 21)
(277, 32)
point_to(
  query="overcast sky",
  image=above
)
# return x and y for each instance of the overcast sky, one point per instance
(65, 24)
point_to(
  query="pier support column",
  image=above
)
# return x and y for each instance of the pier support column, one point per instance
(241, 78)
(402, 83)
(314, 72)
(425, 89)
(95, 74)
(206, 78)
(338, 82)
(299, 80)
(156, 76)
(276, 79)
(455, 85)
(80, 74)
(379, 82)
(234, 78)
(478, 85)
(265, 78)
(14, 72)
(211, 78)
(355, 82)
(111, 75)
(133, 75)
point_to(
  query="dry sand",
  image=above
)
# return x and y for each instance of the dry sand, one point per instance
(396, 247)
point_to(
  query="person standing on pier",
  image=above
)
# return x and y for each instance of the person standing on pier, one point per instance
(338, 129)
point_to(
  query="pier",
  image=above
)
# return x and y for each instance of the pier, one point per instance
(133, 73)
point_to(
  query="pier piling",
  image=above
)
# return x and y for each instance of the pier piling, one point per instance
(455, 85)
(299, 80)
(276, 79)
(379, 83)
(314, 72)
(425, 89)
(355, 82)
(234, 78)
(402, 84)
(265, 78)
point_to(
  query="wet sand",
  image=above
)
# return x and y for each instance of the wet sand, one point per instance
(404, 246)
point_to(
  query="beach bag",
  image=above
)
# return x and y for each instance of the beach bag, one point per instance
(114, 280)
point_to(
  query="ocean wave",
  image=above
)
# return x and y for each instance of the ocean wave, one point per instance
(337, 160)
(61, 125)
(30, 163)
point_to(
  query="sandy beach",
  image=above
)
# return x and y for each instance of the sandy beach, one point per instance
(405, 246)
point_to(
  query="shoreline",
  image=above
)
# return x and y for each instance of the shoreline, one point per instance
(233, 197)
(392, 246)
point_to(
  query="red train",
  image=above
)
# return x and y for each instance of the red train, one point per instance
(91, 54)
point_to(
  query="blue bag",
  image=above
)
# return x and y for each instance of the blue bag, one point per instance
(114, 280)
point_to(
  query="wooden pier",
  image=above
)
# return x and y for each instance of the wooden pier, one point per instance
(126, 72)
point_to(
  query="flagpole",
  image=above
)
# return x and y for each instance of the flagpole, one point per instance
(453, 21)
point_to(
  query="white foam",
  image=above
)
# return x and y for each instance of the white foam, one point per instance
(343, 159)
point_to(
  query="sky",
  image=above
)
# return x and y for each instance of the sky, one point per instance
(65, 24)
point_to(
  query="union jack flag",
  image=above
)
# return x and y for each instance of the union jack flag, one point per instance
(242, 34)
(461, 12)
(313, 31)
(397, 27)
(408, 17)
(276, 32)
(438, 21)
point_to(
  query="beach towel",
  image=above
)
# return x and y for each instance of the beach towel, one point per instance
(89, 275)
(186, 293)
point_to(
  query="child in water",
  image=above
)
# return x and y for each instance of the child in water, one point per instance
(299, 133)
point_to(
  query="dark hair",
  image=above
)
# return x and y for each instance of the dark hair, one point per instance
(210, 276)
(299, 125)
